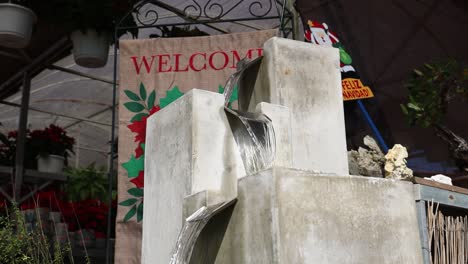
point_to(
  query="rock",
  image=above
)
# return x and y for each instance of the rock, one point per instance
(353, 165)
(395, 164)
(375, 151)
(440, 178)
(366, 162)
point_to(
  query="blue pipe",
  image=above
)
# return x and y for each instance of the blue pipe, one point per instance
(373, 127)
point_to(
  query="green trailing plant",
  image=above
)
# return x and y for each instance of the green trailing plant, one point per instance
(20, 245)
(88, 183)
(431, 89)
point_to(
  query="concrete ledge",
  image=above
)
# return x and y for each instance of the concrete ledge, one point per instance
(293, 216)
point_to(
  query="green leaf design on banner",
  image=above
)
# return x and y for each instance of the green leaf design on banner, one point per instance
(142, 91)
(138, 117)
(151, 99)
(130, 214)
(128, 202)
(134, 107)
(137, 192)
(171, 96)
(134, 166)
(143, 146)
(140, 212)
(133, 96)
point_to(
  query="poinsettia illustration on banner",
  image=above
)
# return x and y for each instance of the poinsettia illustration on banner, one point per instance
(143, 105)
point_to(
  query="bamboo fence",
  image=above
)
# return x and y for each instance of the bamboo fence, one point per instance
(448, 237)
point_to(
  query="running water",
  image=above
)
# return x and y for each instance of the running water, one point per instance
(191, 230)
(255, 138)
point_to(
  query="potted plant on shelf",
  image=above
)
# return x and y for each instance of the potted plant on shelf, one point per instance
(8, 150)
(16, 23)
(91, 25)
(87, 189)
(54, 146)
(86, 183)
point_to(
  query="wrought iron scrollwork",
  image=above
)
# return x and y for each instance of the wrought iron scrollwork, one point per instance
(146, 16)
(196, 7)
(213, 10)
(257, 8)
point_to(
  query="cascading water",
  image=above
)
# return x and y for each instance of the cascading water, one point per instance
(255, 138)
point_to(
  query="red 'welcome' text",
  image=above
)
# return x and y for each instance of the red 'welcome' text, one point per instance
(198, 61)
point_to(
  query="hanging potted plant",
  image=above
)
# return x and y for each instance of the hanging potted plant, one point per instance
(16, 23)
(53, 146)
(91, 25)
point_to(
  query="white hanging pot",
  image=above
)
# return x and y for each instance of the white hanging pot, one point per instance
(16, 23)
(90, 49)
(50, 163)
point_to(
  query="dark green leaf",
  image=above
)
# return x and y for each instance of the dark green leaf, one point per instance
(130, 214)
(133, 96)
(404, 109)
(140, 212)
(413, 106)
(128, 202)
(138, 117)
(151, 99)
(136, 192)
(142, 92)
(134, 107)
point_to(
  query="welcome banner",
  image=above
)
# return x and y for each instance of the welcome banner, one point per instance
(154, 73)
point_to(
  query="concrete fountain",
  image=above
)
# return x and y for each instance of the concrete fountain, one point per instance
(211, 198)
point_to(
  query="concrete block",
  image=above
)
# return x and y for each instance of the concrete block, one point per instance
(189, 149)
(292, 216)
(306, 79)
(281, 119)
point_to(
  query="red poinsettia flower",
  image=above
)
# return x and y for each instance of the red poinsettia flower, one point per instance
(140, 180)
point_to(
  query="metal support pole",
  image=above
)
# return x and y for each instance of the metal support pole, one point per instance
(111, 156)
(20, 144)
(295, 20)
(423, 234)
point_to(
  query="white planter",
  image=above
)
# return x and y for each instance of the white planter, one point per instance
(100, 243)
(60, 233)
(55, 217)
(85, 238)
(42, 213)
(50, 163)
(29, 215)
(16, 23)
(90, 49)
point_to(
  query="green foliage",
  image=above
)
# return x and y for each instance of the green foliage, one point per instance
(21, 246)
(86, 183)
(431, 88)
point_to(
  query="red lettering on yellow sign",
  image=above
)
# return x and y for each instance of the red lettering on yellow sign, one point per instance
(353, 89)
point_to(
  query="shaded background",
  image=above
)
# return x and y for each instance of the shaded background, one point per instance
(387, 39)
